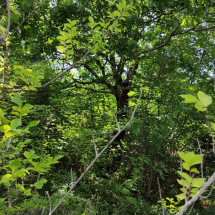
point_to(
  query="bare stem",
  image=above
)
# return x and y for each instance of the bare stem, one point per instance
(160, 195)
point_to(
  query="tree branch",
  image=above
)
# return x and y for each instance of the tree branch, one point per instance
(71, 67)
(90, 70)
(8, 21)
(198, 194)
(161, 45)
(93, 90)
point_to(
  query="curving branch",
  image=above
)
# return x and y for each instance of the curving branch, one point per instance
(161, 45)
(2, 39)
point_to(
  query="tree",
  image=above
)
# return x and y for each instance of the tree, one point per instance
(115, 47)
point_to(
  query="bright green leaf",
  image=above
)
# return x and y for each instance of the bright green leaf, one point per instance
(186, 166)
(181, 196)
(185, 175)
(40, 183)
(17, 100)
(19, 173)
(189, 99)
(2, 200)
(204, 99)
(195, 159)
(197, 182)
(61, 48)
(15, 123)
(33, 123)
(184, 182)
(15, 165)
(194, 170)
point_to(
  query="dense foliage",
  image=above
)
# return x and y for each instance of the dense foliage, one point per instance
(71, 73)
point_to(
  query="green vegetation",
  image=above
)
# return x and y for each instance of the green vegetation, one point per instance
(94, 107)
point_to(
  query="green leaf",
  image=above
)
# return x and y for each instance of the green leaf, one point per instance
(33, 123)
(213, 125)
(199, 106)
(91, 22)
(27, 192)
(2, 200)
(185, 182)
(22, 144)
(35, 156)
(123, 3)
(15, 165)
(27, 106)
(186, 166)
(181, 196)
(195, 159)
(194, 191)
(12, 132)
(19, 186)
(194, 170)
(72, 23)
(204, 99)
(27, 155)
(41, 164)
(185, 156)
(61, 48)
(19, 173)
(6, 178)
(116, 13)
(55, 160)
(197, 182)
(15, 123)
(17, 108)
(183, 189)
(32, 152)
(40, 183)
(183, 22)
(17, 100)
(119, 6)
(185, 175)
(70, 52)
(74, 31)
(189, 99)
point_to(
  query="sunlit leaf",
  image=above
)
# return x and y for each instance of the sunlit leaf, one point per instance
(40, 183)
(17, 100)
(189, 99)
(197, 182)
(15, 123)
(204, 99)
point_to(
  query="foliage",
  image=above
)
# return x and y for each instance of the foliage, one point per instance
(67, 68)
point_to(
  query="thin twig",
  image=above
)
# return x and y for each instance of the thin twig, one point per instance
(202, 173)
(191, 209)
(71, 177)
(117, 123)
(8, 145)
(185, 197)
(50, 204)
(160, 195)
(95, 147)
(205, 197)
(43, 210)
